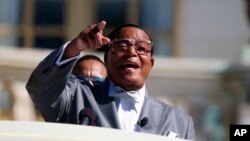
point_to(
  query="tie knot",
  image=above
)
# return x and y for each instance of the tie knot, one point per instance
(129, 95)
(128, 104)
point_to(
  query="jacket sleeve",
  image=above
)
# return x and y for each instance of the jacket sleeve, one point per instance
(50, 87)
(190, 131)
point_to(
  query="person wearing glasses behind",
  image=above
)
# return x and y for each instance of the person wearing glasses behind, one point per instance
(90, 70)
(122, 101)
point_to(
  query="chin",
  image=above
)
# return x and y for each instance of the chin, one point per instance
(131, 83)
(130, 78)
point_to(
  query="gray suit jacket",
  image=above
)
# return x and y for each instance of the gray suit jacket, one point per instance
(60, 97)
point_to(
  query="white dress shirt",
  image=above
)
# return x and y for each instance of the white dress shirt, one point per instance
(129, 105)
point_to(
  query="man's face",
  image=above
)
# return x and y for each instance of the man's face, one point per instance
(91, 71)
(90, 68)
(129, 69)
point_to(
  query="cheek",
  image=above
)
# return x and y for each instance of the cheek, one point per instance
(112, 64)
(147, 65)
(114, 59)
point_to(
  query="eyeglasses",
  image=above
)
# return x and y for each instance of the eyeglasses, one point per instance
(142, 47)
(91, 80)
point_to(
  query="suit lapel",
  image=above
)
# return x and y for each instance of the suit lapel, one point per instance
(108, 112)
(155, 114)
(145, 112)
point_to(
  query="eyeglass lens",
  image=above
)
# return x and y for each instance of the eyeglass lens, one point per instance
(121, 46)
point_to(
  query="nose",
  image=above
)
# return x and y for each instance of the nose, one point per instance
(132, 50)
(90, 78)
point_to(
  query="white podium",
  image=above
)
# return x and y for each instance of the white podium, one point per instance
(43, 131)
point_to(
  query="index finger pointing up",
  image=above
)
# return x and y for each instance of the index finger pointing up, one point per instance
(99, 27)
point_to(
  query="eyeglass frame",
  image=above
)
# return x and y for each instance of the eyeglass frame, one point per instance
(93, 79)
(133, 43)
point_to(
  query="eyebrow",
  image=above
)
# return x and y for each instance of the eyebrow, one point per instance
(131, 39)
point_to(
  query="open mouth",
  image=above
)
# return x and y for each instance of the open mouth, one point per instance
(128, 65)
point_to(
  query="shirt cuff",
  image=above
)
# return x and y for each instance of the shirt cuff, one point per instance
(59, 60)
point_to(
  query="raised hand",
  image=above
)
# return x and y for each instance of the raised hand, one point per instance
(90, 38)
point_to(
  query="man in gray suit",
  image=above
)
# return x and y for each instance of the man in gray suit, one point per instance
(121, 101)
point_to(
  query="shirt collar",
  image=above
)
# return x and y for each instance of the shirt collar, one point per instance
(138, 95)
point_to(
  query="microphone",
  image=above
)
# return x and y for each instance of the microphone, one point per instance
(87, 117)
(143, 122)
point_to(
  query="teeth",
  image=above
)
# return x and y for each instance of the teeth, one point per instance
(129, 63)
